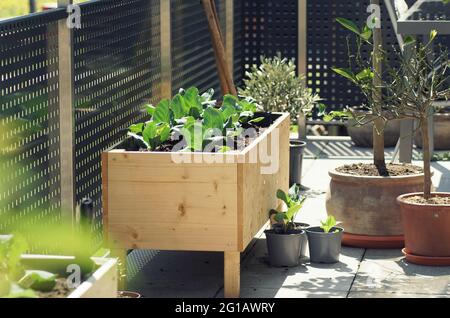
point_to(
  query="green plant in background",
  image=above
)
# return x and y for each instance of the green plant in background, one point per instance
(368, 73)
(420, 80)
(294, 202)
(15, 281)
(195, 117)
(275, 86)
(329, 224)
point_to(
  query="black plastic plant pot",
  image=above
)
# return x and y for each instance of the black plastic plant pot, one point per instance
(324, 247)
(296, 148)
(304, 245)
(284, 249)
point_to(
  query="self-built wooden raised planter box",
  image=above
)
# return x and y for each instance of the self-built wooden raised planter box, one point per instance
(151, 201)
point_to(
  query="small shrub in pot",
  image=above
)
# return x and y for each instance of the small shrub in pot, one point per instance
(275, 86)
(285, 239)
(325, 241)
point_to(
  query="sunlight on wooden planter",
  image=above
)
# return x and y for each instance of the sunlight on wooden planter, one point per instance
(152, 202)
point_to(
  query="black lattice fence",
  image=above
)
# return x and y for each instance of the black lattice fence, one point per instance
(327, 47)
(117, 70)
(193, 62)
(238, 42)
(270, 26)
(29, 142)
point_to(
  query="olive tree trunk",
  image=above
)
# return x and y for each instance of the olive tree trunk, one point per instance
(378, 127)
(426, 158)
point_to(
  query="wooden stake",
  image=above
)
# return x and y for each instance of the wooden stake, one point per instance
(225, 77)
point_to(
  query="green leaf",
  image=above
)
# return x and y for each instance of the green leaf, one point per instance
(365, 75)
(294, 193)
(409, 40)
(247, 106)
(162, 112)
(292, 211)
(281, 217)
(322, 108)
(256, 120)
(349, 25)
(193, 135)
(366, 33)
(224, 149)
(208, 95)
(136, 128)
(149, 132)
(212, 118)
(179, 107)
(195, 113)
(284, 197)
(230, 100)
(38, 280)
(348, 74)
(150, 109)
(18, 292)
(433, 35)
(227, 110)
(328, 224)
(193, 99)
(163, 132)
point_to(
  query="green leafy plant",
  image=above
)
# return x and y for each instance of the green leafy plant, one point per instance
(421, 79)
(276, 88)
(11, 270)
(369, 72)
(294, 202)
(196, 118)
(328, 224)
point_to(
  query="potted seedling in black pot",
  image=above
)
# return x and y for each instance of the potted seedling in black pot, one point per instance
(325, 241)
(285, 239)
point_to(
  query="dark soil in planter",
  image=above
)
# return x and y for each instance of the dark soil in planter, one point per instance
(391, 170)
(436, 200)
(132, 144)
(61, 290)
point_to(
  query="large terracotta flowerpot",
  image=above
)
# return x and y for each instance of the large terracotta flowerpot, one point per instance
(426, 227)
(441, 132)
(363, 136)
(367, 207)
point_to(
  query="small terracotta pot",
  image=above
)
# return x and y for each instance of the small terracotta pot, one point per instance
(426, 227)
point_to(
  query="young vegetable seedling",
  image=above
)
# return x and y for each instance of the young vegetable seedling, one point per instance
(329, 224)
(294, 202)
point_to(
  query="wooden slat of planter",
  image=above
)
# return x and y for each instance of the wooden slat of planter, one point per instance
(258, 194)
(102, 284)
(155, 203)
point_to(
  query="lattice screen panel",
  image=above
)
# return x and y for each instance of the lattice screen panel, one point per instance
(270, 26)
(193, 62)
(327, 47)
(29, 142)
(238, 34)
(117, 70)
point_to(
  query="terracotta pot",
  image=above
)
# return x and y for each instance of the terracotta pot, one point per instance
(426, 226)
(441, 132)
(367, 205)
(363, 136)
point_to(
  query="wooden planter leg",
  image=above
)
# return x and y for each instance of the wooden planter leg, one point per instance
(232, 274)
(121, 254)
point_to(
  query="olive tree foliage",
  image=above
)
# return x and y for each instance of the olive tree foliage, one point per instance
(275, 86)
